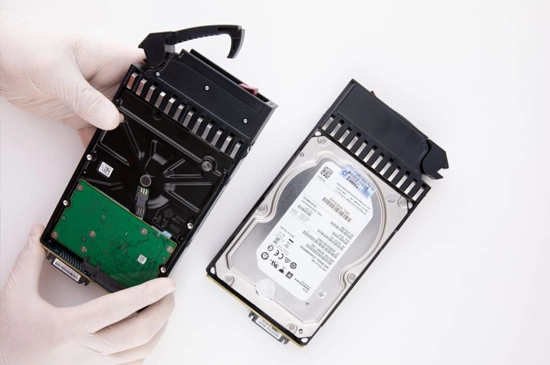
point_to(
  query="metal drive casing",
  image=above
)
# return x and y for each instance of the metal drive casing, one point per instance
(326, 217)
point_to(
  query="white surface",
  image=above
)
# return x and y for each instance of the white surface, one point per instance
(465, 281)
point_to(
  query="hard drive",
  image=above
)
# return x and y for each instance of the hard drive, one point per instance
(142, 190)
(339, 200)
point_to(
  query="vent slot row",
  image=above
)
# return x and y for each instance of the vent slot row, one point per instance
(178, 110)
(371, 155)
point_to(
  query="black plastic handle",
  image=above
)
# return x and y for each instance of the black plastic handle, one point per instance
(157, 45)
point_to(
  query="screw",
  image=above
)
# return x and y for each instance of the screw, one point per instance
(292, 327)
(163, 269)
(190, 225)
(170, 249)
(206, 87)
(157, 74)
(143, 231)
(92, 234)
(262, 209)
(300, 331)
(351, 277)
(79, 187)
(317, 134)
(54, 235)
(83, 249)
(89, 157)
(66, 203)
(206, 165)
(391, 198)
(228, 279)
(402, 202)
(322, 140)
(245, 121)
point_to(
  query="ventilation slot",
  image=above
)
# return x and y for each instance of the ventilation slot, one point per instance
(207, 131)
(160, 99)
(410, 187)
(402, 180)
(169, 105)
(150, 93)
(226, 143)
(217, 136)
(235, 149)
(344, 136)
(140, 87)
(327, 124)
(177, 114)
(188, 117)
(197, 125)
(369, 155)
(418, 194)
(336, 129)
(353, 142)
(377, 162)
(360, 149)
(131, 80)
(386, 167)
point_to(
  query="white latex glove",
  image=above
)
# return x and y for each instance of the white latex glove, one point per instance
(106, 330)
(61, 77)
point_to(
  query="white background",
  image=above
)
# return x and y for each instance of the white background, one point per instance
(465, 281)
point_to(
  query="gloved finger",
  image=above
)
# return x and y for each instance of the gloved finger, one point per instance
(26, 271)
(75, 121)
(87, 102)
(86, 135)
(52, 108)
(135, 330)
(113, 60)
(141, 352)
(111, 308)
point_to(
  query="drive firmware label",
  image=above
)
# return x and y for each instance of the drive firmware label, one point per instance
(317, 229)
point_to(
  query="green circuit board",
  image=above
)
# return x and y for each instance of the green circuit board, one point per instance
(97, 228)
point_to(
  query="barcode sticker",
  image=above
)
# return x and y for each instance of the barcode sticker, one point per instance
(105, 169)
(66, 269)
(317, 229)
(268, 328)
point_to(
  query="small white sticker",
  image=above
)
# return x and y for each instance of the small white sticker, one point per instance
(268, 328)
(317, 229)
(105, 169)
(67, 270)
(142, 259)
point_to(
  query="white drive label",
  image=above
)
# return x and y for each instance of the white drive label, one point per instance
(105, 169)
(67, 270)
(317, 229)
(268, 328)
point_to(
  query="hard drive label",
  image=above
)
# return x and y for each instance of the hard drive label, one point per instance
(317, 229)
(67, 270)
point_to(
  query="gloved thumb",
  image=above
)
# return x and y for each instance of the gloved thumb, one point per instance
(90, 104)
(25, 274)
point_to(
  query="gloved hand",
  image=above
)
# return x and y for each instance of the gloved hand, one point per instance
(106, 330)
(61, 77)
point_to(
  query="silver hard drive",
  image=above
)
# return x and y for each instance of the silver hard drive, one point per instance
(318, 227)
